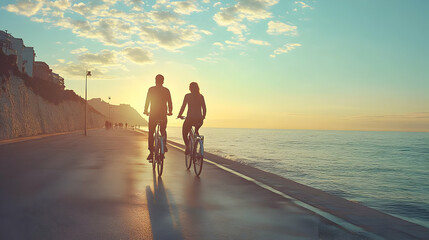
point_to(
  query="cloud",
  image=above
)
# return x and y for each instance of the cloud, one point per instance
(165, 17)
(285, 49)
(61, 60)
(185, 7)
(105, 57)
(60, 4)
(259, 42)
(251, 10)
(232, 43)
(277, 28)
(108, 31)
(79, 50)
(303, 4)
(206, 32)
(137, 5)
(217, 4)
(220, 45)
(169, 37)
(207, 59)
(138, 55)
(94, 8)
(73, 70)
(40, 20)
(25, 7)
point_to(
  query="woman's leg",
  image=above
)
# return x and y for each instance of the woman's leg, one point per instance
(187, 125)
(197, 125)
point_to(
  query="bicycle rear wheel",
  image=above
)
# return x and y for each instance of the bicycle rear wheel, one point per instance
(188, 158)
(198, 158)
(154, 157)
(160, 161)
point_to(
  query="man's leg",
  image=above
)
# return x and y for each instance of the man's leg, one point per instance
(152, 125)
(163, 127)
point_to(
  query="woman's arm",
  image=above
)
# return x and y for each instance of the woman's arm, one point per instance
(183, 106)
(203, 105)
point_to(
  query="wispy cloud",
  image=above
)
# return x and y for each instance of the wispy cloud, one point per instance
(79, 50)
(105, 57)
(285, 49)
(259, 42)
(25, 7)
(138, 55)
(251, 10)
(278, 28)
(303, 4)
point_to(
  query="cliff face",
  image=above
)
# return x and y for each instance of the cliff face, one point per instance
(123, 113)
(23, 113)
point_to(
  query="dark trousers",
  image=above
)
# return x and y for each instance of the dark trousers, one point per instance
(187, 125)
(152, 125)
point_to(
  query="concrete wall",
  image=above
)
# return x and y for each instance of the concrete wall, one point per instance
(23, 113)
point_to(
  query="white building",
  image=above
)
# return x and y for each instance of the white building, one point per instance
(25, 55)
(18, 45)
(28, 56)
(5, 43)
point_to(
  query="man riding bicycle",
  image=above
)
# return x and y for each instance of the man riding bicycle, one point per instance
(158, 97)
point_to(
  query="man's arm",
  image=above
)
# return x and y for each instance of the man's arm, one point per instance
(203, 105)
(148, 100)
(182, 108)
(170, 104)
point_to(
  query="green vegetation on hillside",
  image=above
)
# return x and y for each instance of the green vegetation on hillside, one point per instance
(47, 90)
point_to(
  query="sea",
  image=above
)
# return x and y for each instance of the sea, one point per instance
(388, 171)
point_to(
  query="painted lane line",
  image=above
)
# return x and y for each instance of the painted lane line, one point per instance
(339, 221)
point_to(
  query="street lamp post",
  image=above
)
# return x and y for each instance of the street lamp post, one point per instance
(88, 73)
(109, 108)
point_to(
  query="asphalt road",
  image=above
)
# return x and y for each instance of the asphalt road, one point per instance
(101, 187)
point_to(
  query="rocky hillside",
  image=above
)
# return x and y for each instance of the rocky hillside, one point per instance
(31, 106)
(122, 113)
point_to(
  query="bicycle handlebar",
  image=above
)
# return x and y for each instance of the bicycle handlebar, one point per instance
(148, 114)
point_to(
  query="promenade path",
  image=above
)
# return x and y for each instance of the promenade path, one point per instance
(101, 187)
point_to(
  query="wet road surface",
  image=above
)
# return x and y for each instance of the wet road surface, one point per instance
(101, 187)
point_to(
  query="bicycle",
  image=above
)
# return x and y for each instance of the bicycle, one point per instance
(158, 157)
(196, 149)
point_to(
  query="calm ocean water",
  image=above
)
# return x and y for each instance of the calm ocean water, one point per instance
(388, 171)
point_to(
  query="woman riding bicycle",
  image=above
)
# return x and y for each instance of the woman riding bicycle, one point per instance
(196, 112)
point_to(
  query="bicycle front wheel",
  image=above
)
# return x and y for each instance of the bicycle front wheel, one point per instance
(198, 157)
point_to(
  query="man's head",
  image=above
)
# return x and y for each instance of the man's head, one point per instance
(159, 80)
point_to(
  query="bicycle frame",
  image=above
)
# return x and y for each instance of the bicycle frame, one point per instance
(194, 138)
(159, 139)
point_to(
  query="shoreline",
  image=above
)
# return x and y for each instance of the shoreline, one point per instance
(356, 214)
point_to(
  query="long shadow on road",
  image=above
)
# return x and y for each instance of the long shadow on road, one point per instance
(163, 217)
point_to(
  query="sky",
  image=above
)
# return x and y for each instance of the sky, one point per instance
(331, 64)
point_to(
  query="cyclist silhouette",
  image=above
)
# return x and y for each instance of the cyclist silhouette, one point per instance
(196, 112)
(158, 97)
